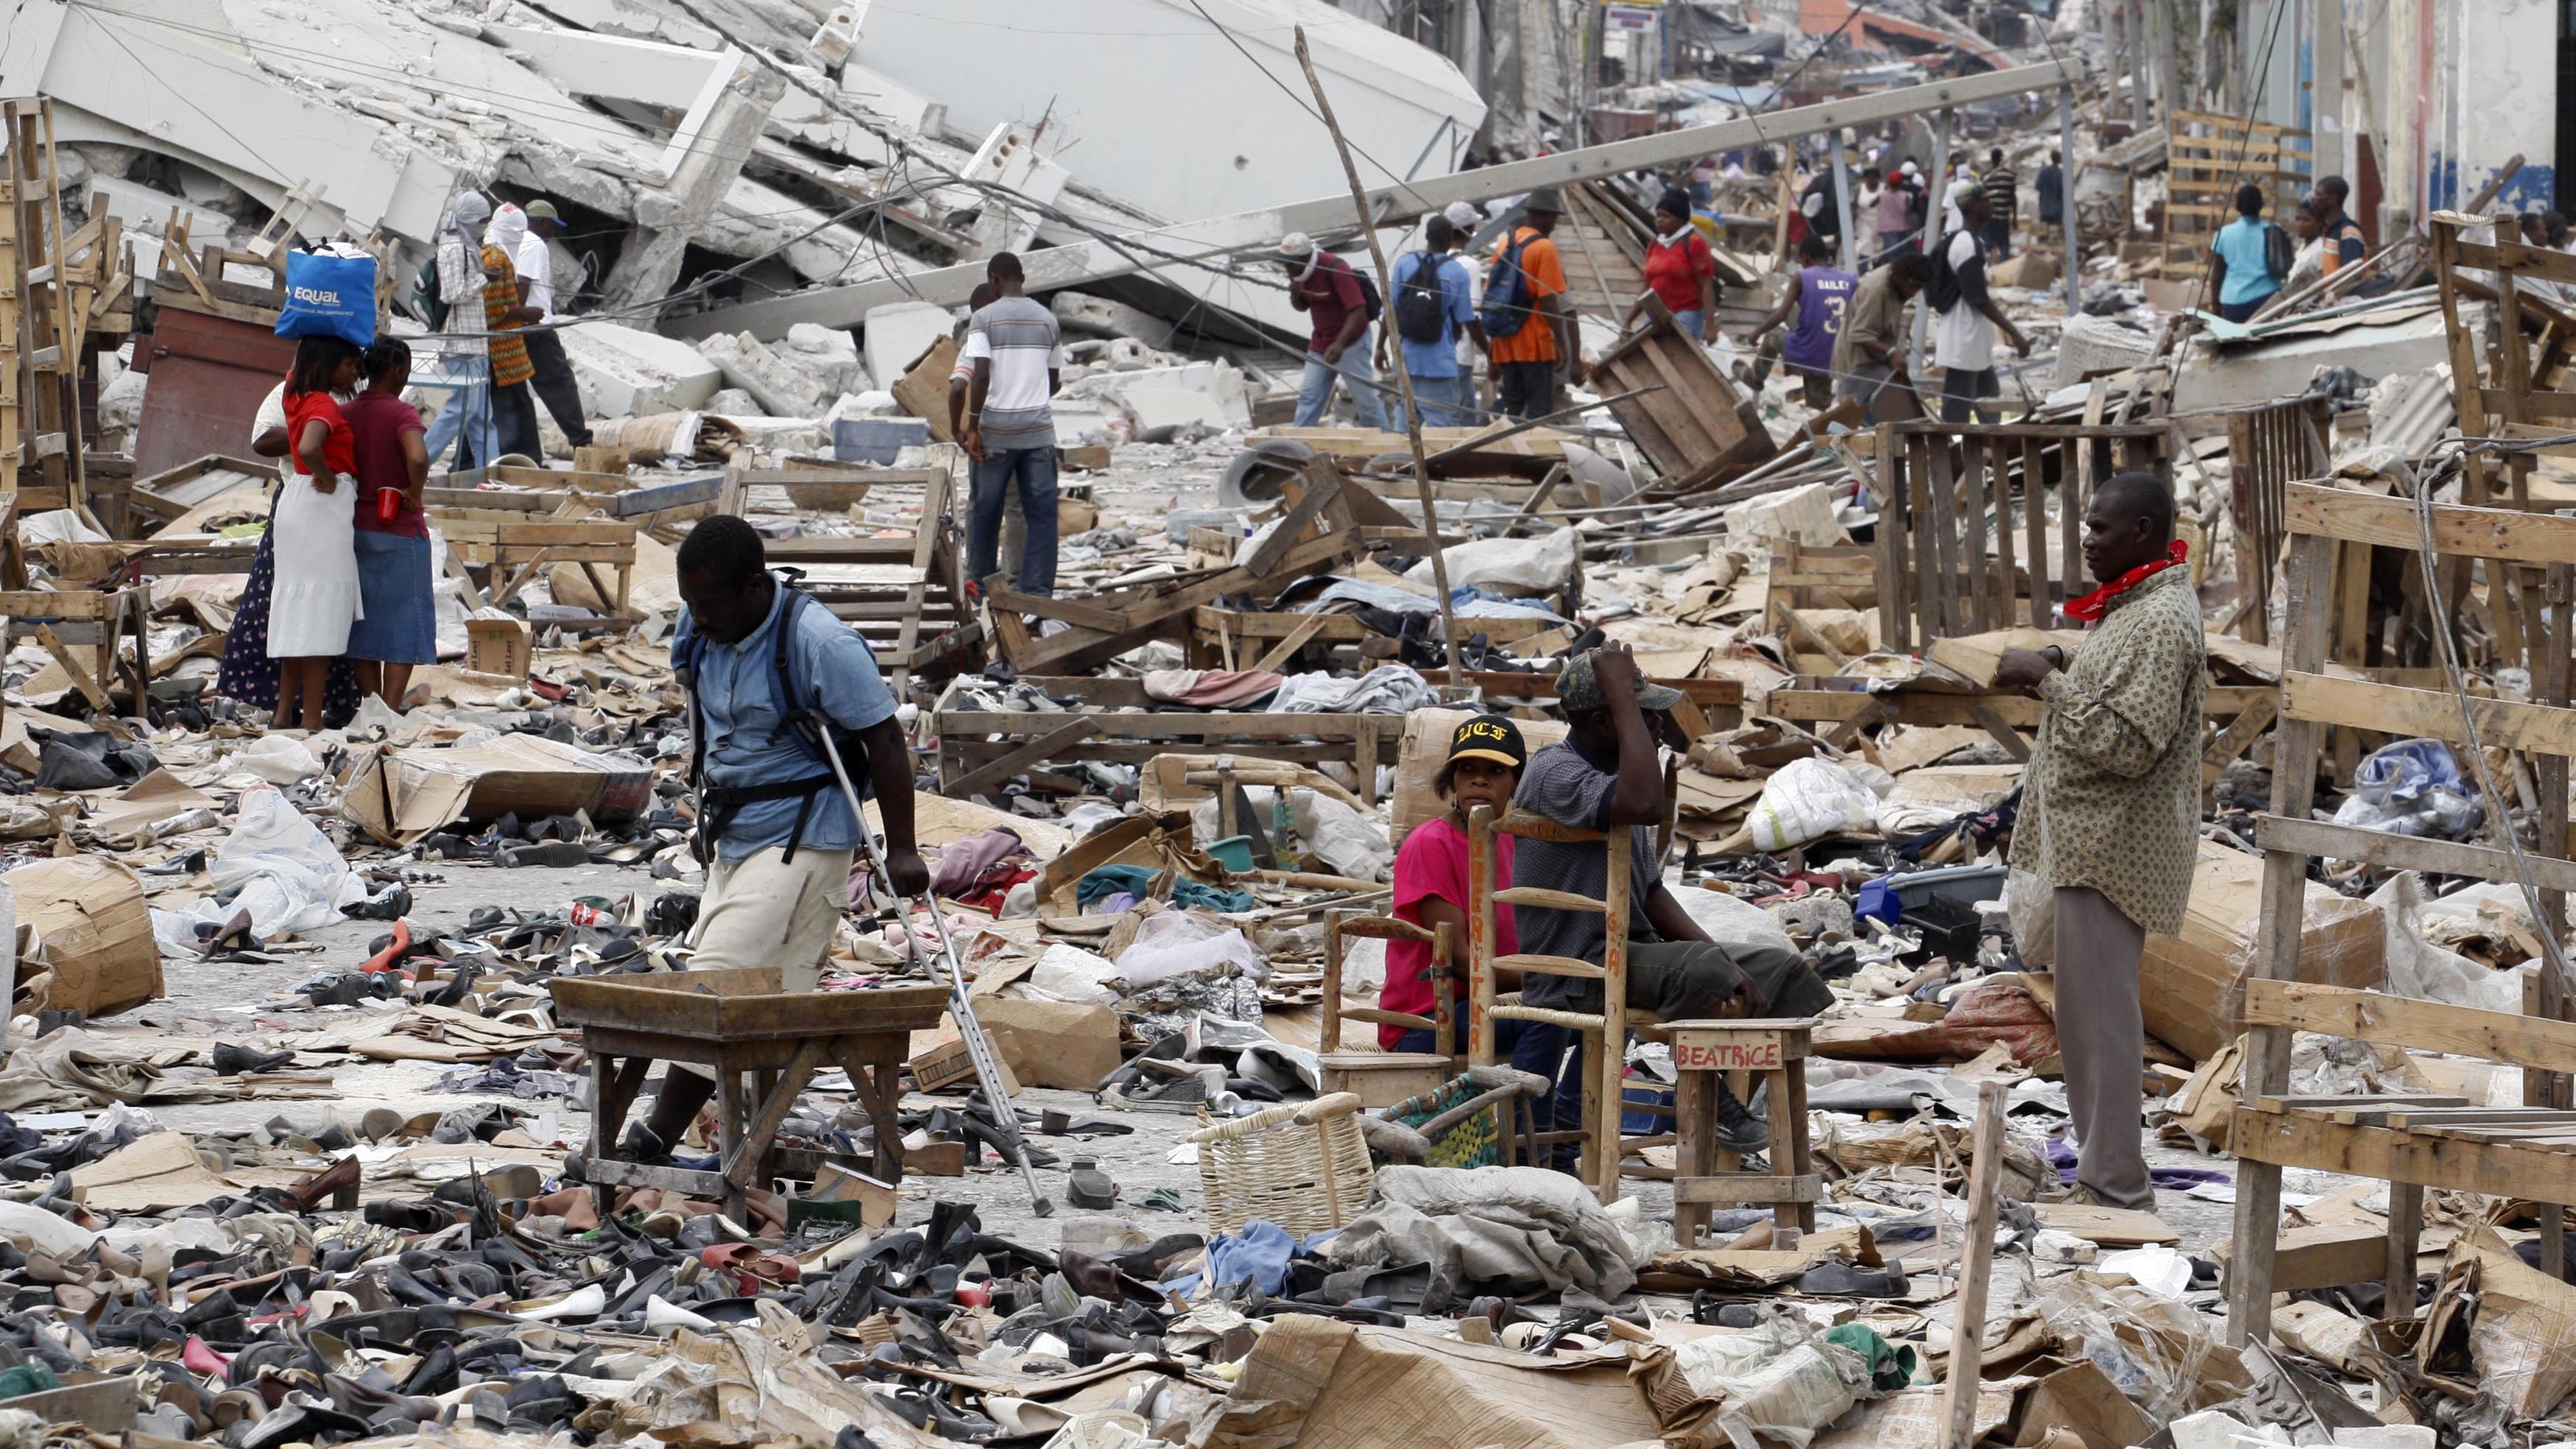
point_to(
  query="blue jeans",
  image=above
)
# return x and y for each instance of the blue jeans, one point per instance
(1692, 322)
(1032, 471)
(1444, 402)
(1315, 389)
(467, 411)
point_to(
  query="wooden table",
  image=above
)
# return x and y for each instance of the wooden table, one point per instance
(763, 1044)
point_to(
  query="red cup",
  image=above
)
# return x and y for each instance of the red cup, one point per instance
(388, 505)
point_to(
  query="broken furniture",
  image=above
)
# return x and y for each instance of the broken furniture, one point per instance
(512, 547)
(1687, 419)
(1384, 1078)
(2269, 447)
(1222, 638)
(1840, 707)
(763, 1045)
(1604, 1033)
(40, 329)
(1113, 721)
(1953, 559)
(906, 596)
(1317, 529)
(1302, 1165)
(1774, 1050)
(2530, 1154)
(93, 620)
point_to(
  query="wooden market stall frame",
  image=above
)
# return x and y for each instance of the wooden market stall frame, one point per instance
(2528, 1154)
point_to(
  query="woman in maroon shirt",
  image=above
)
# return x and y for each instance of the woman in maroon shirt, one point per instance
(400, 627)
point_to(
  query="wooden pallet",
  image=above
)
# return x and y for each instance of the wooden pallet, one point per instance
(512, 546)
(2210, 156)
(1687, 419)
(2269, 447)
(40, 437)
(2409, 1146)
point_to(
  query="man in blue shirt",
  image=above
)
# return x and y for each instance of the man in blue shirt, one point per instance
(1439, 383)
(776, 832)
(2241, 259)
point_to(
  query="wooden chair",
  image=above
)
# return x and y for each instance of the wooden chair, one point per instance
(1381, 1078)
(1605, 1033)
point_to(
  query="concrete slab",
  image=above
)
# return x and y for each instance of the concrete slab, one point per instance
(899, 332)
(1171, 414)
(626, 372)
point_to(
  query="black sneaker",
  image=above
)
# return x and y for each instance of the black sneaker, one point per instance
(1738, 1129)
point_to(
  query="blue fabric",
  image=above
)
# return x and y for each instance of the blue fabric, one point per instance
(1694, 322)
(1437, 359)
(1260, 1254)
(737, 688)
(1315, 388)
(1032, 471)
(2249, 276)
(401, 626)
(1102, 882)
(1556, 1053)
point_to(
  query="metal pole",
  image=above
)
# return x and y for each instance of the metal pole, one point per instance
(1843, 201)
(1934, 200)
(2066, 196)
(1403, 373)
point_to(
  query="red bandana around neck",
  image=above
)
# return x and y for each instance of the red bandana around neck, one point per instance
(2089, 607)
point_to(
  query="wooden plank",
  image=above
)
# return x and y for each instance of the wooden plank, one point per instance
(2458, 529)
(1968, 1340)
(2294, 1139)
(2375, 1016)
(2044, 594)
(2407, 852)
(1940, 490)
(1072, 611)
(1281, 652)
(1978, 606)
(1727, 1189)
(1321, 486)
(1035, 752)
(2408, 713)
(1895, 574)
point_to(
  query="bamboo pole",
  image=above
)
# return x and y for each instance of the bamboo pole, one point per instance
(1403, 374)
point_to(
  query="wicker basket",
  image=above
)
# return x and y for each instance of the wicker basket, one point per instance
(1302, 1165)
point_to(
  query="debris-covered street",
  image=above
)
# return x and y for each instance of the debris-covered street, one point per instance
(747, 723)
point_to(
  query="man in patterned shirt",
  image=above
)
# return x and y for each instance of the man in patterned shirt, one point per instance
(2110, 812)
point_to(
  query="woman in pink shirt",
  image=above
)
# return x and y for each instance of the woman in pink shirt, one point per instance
(1432, 877)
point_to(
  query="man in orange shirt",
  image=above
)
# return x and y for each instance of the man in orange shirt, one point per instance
(1525, 315)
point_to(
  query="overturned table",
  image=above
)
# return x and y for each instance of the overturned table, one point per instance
(763, 1045)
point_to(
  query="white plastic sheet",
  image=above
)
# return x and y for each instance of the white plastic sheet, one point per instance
(1340, 839)
(277, 759)
(290, 874)
(1177, 943)
(1808, 800)
(1517, 568)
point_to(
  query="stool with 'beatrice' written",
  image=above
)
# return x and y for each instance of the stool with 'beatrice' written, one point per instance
(1706, 1174)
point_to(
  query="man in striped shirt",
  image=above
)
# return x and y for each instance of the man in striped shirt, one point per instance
(1999, 184)
(1014, 346)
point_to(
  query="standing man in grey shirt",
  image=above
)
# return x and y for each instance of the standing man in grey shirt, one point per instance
(1013, 345)
(1605, 773)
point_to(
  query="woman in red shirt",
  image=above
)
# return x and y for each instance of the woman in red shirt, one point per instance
(1680, 269)
(315, 600)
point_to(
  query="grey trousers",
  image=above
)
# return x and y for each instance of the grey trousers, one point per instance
(1698, 981)
(2102, 1038)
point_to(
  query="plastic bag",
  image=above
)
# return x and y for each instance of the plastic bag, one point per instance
(1177, 943)
(1335, 837)
(291, 877)
(2031, 906)
(2412, 787)
(1779, 1383)
(1514, 568)
(278, 760)
(330, 293)
(1809, 800)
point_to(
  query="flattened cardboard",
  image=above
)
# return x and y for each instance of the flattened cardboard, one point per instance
(1321, 1384)
(400, 796)
(1052, 1043)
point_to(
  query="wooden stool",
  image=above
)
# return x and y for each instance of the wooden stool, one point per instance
(1708, 1175)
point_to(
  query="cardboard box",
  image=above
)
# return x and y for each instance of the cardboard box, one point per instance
(498, 646)
(2192, 987)
(949, 1064)
(92, 933)
(401, 796)
(1052, 1043)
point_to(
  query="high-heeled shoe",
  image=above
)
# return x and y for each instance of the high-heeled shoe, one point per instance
(338, 1182)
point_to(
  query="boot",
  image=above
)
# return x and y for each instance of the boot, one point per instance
(677, 1105)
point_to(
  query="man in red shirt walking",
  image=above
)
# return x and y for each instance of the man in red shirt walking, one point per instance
(1324, 287)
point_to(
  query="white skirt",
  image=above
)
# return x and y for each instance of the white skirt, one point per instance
(314, 552)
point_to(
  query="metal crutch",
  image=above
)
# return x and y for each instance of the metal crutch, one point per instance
(988, 1073)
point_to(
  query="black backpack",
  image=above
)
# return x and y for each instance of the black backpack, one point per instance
(1369, 299)
(1941, 293)
(2280, 254)
(424, 293)
(1507, 294)
(1421, 310)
